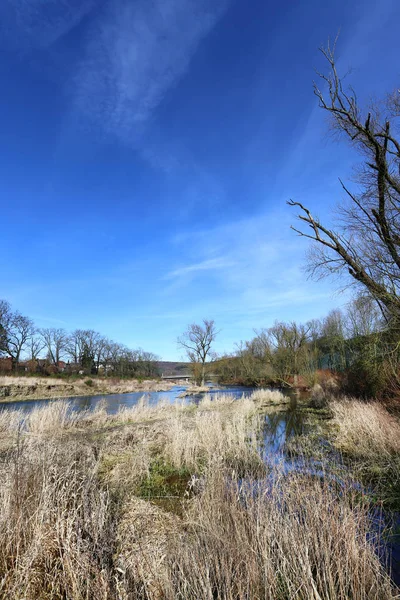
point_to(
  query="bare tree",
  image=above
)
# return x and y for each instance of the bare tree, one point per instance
(363, 317)
(5, 318)
(35, 346)
(196, 341)
(332, 340)
(20, 332)
(74, 345)
(16, 331)
(365, 244)
(84, 343)
(55, 342)
(100, 351)
(289, 343)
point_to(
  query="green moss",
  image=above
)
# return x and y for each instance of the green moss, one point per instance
(163, 480)
(321, 413)
(383, 477)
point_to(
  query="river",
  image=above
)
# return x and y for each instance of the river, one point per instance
(113, 402)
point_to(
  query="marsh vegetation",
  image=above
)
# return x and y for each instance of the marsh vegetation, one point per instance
(189, 501)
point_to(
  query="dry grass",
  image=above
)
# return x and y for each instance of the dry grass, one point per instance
(55, 529)
(72, 526)
(213, 437)
(365, 429)
(294, 539)
(269, 397)
(10, 421)
(26, 381)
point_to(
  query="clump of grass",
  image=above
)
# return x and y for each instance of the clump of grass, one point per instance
(51, 417)
(144, 534)
(56, 528)
(193, 390)
(365, 429)
(269, 397)
(230, 438)
(369, 438)
(245, 405)
(10, 420)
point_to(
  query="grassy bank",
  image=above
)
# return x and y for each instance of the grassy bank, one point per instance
(368, 436)
(362, 435)
(172, 502)
(30, 388)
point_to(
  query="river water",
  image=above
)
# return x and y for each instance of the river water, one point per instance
(113, 402)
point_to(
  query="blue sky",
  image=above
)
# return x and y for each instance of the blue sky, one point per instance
(148, 149)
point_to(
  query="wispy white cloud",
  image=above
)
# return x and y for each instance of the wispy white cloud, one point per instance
(136, 52)
(211, 264)
(260, 278)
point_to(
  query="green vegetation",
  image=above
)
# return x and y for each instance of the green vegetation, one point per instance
(164, 480)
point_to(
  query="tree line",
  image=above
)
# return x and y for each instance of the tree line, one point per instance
(45, 350)
(353, 343)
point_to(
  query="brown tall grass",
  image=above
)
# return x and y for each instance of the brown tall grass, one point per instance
(270, 397)
(212, 435)
(365, 429)
(72, 526)
(294, 539)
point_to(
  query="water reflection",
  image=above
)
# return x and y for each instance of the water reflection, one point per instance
(281, 425)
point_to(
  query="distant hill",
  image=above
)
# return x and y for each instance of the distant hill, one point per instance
(170, 368)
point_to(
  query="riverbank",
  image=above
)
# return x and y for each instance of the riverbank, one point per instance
(179, 501)
(362, 435)
(31, 388)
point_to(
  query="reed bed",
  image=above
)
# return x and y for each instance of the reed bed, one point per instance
(75, 525)
(211, 436)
